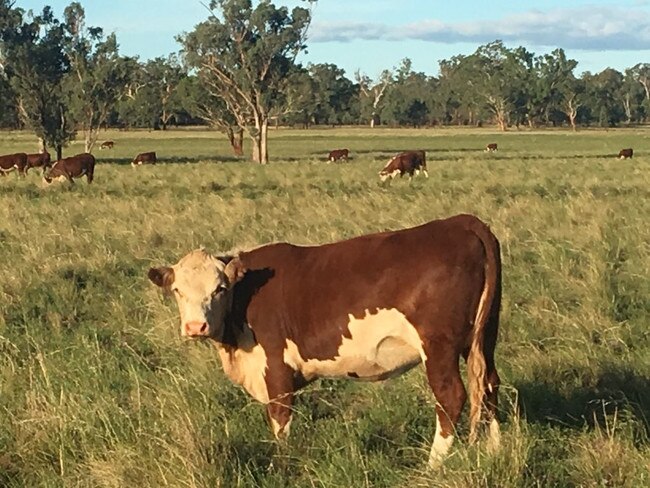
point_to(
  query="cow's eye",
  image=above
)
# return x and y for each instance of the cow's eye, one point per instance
(220, 289)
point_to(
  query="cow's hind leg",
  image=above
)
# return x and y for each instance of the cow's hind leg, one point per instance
(493, 382)
(444, 378)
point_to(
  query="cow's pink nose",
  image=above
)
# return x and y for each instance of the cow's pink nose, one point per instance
(196, 328)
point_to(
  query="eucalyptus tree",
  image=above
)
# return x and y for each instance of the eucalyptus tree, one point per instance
(244, 53)
(201, 102)
(32, 49)
(502, 79)
(373, 93)
(99, 76)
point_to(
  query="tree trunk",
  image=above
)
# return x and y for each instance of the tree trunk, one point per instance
(236, 140)
(264, 146)
(59, 152)
(42, 147)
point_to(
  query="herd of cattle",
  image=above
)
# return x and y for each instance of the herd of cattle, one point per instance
(404, 163)
(65, 168)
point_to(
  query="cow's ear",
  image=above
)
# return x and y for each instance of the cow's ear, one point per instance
(162, 277)
(234, 271)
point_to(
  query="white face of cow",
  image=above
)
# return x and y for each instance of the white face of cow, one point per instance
(202, 286)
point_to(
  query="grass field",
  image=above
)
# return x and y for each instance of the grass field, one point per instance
(97, 389)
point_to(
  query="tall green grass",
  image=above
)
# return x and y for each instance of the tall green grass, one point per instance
(97, 388)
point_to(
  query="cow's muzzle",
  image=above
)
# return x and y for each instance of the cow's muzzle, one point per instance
(195, 329)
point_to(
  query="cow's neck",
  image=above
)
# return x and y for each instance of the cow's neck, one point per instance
(244, 361)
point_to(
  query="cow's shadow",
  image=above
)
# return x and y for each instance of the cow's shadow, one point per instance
(216, 158)
(601, 393)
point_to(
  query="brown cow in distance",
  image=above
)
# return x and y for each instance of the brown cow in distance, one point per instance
(144, 158)
(625, 153)
(367, 308)
(38, 160)
(11, 162)
(107, 145)
(72, 167)
(337, 154)
(408, 162)
(491, 147)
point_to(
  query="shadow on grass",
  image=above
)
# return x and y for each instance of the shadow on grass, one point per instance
(610, 389)
(176, 160)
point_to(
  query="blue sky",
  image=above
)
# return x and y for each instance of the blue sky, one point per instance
(372, 35)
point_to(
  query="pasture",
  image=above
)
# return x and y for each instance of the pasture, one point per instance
(97, 389)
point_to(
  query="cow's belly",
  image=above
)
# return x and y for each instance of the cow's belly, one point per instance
(380, 346)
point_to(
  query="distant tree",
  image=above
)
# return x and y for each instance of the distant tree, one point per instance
(501, 79)
(641, 73)
(335, 96)
(200, 102)
(99, 76)
(246, 54)
(373, 93)
(35, 63)
(633, 96)
(406, 102)
(8, 103)
(602, 96)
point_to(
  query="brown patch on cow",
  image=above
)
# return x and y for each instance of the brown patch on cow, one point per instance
(11, 162)
(626, 153)
(38, 160)
(406, 163)
(144, 158)
(491, 147)
(337, 154)
(72, 167)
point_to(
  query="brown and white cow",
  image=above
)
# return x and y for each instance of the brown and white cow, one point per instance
(144, 158)
(107, 145)
(72, 167)
(408, 162)
(337, 154)
(625, 153)
(11, 162)
(368, 308)
(491, 147)
(38, 160)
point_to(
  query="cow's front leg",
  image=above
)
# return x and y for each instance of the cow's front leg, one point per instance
(281, 386)
(280, 412)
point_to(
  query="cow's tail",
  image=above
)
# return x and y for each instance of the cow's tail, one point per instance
(490, 299)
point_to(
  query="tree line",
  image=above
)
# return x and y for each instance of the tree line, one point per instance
(237, 73)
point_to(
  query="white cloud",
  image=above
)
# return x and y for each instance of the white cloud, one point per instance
(586, 28)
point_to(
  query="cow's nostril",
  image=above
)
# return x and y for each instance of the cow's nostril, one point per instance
(204, 327)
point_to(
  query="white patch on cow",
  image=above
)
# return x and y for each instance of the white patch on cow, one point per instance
(279, 431)
(246, 365)
(382, 345)
(440, 447)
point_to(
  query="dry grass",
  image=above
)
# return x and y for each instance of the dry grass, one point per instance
(97, 389)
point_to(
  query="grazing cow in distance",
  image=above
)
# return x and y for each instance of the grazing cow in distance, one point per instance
(367, 308)
(11, 162)
(491, 147)
(107, 145)
(144, 158)
(625, 153)
(337, 154)
(72, 167)
(408, 162)
(38, 160)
